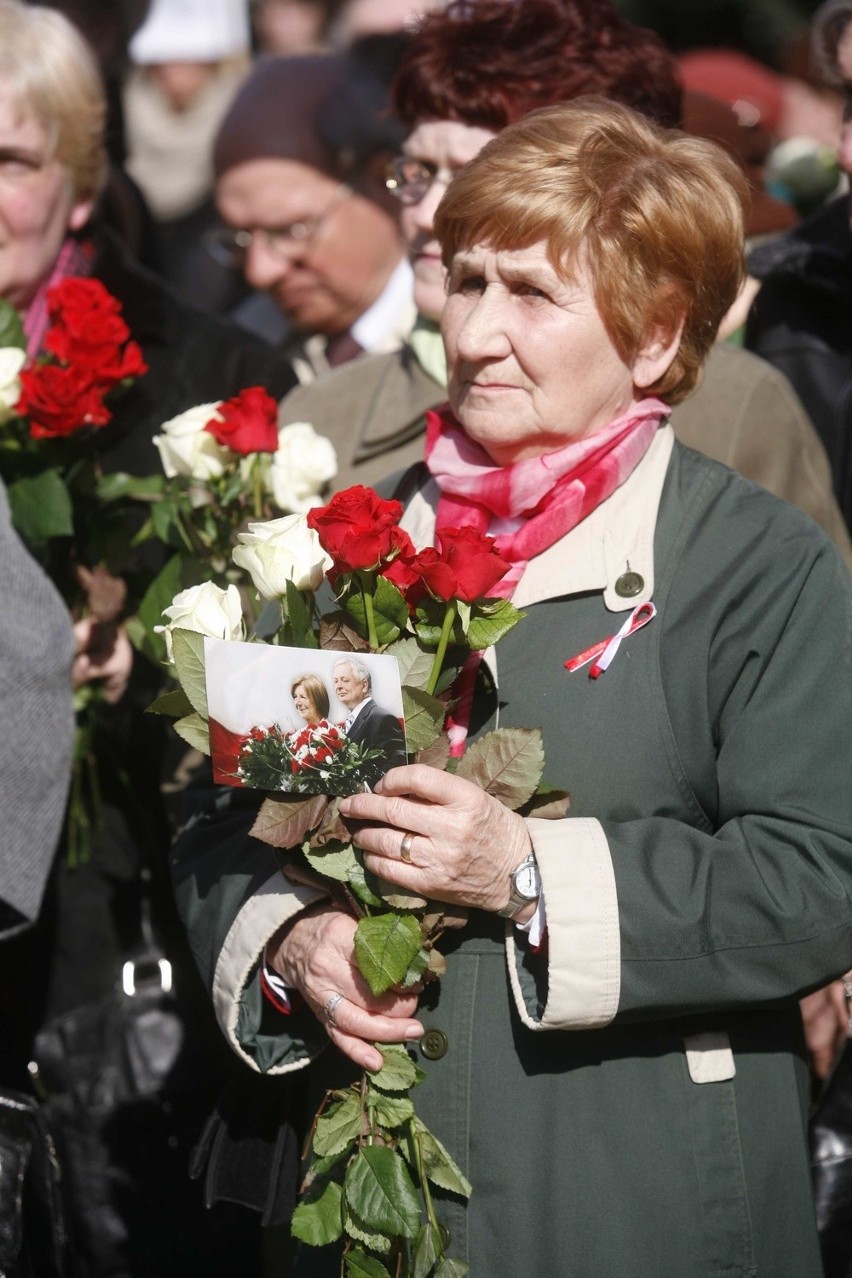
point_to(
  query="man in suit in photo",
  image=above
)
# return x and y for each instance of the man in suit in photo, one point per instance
(365, 723)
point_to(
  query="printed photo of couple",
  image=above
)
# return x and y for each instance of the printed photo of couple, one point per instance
(301, 721)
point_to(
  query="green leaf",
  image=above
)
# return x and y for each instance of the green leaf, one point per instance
(360, 884)
(379, 1191)
(136, 487)
(41, 507)
(175, 703)
(11, 327)
(427, 1249)
(506, 763)
(439, 1167)
(159, 595)
(416, 968)
(341, 1124)
(376, 1242)
(360, 1265)
(194, 731)
(548, 805)
(384, 946)
(390, 1111)
(336, 861)
(283, 823)
(447, 1268)
(390, 611)
(424, 719)
(297, 624)
(399, 1071)
(415, 665)
(489, 621)
(317, 1220)
(429, 622)
(188, 647)
(165, 521)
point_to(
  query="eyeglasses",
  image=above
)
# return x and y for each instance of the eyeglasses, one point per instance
(230, 247)
(409, 179)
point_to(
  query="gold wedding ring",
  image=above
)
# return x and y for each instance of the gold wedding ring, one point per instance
(405, 847)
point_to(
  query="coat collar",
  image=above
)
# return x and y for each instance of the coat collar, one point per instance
(615, 539)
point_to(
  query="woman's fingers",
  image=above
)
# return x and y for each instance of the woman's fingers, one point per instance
(355, 1029)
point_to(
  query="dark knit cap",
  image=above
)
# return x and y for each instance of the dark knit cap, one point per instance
(319, 109)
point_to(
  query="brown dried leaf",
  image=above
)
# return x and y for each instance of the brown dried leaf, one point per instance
(338, 634)
(552, 806)
(437, 755)
(105, 594)
(283, 823)
(506, 763)
(332, 828)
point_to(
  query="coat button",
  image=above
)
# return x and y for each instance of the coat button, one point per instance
(434, 1044)
(629, 584)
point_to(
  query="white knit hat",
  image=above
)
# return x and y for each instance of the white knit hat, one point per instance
(192, 31)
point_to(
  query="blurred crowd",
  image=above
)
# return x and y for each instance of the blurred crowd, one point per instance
(261, 197)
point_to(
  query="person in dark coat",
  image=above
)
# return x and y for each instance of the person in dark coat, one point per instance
(365, 723)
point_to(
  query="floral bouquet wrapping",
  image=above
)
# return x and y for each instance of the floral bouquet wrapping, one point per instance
(375, 1174)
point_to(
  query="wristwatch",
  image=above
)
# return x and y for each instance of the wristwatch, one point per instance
(525, 886)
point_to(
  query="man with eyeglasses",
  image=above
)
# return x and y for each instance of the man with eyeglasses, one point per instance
(299, 162)
(801, 319)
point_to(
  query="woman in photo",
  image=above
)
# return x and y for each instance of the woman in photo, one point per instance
(310, 697)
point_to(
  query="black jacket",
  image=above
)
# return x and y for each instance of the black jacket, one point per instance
(801, 321)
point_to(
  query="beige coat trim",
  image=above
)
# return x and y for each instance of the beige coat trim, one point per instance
(709, 1058)
(263, 914)
(584, 940)
(617, 536)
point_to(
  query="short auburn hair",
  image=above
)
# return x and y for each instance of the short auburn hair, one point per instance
(656, 216)
(487, 63)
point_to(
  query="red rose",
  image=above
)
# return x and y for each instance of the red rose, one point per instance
(465, 565)
(405, 575)
(358, 529)
(249, 422)
(59, 401)
(88, 331)
(76, 299)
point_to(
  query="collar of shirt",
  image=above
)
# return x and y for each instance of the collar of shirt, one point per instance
(385, 324)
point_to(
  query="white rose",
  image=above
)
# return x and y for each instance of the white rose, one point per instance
(186, 448)
(303, 463)
(279, 551)
(206, 609)
(12, 360)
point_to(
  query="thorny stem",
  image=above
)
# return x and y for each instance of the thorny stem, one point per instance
(257, 480)
(367, 593)
(446, 630)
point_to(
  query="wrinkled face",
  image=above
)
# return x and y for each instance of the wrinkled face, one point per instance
(325, 280)
(349, 689)
(531, 366)
(305, 705)
(37, 205)
(448, 146)
(844, 66)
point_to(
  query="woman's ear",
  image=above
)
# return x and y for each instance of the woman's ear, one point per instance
(81, 211)
(656, 355)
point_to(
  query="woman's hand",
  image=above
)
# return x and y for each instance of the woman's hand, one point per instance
(102, 652)
(315, 955)
(825, 1016)
(465, 843)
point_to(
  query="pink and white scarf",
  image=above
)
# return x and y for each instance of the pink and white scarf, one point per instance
(74, 258)
(529, 505)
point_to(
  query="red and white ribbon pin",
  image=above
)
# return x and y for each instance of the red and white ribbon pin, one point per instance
(607, 648)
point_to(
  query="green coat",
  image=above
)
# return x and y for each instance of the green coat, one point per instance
(633, 1102)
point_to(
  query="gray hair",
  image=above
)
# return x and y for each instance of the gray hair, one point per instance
(359, 669)
(829, 24)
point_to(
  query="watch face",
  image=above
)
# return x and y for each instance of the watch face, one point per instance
(527, 882)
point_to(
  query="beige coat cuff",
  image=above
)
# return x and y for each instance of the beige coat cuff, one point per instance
(273, 905)
(584, 943)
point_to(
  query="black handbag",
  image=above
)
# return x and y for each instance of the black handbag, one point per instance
(33, 1238)
(830, 1134)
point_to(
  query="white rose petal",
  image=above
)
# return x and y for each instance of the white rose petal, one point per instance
(12, 360)
(279, 551)
(186, 448)
(206, 609)
(302, 465)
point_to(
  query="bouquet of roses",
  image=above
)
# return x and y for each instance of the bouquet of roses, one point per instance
(375, 1168)
(223, 464)
(51, 413)
(319, 755)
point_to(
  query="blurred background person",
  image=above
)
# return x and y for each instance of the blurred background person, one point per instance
(286, 27)
(799, 320)
(299, 163)
(188, 59)
(471, 69)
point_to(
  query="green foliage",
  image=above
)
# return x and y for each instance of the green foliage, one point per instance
(11, 327)
(189, 667)
(378, 1189)
(317, 1219)
(298, 618)
(424, 719)
(384, 946)
(390, 611)
(41, 507)
(194, 731)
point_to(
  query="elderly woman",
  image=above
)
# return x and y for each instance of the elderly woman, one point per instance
(310, 697)
(624, 1082)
